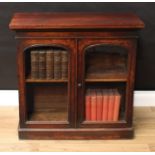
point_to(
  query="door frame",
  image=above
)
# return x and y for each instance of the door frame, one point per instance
(130, 44)
(23, 44)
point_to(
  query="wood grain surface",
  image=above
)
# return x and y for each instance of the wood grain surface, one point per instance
(75, 21)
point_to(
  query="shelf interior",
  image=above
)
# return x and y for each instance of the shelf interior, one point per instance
(46, 64)
(47, 102)
(106, 63)
(120, 87)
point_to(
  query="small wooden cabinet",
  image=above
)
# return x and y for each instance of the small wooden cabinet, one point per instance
(101, 49)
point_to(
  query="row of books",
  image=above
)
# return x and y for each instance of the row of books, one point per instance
(102, 105)
(50, 64)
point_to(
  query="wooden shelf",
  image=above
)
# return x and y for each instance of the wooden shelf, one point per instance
(107, 80)
(29, 80)
(105, 122)
(48, 116)
(115, 77)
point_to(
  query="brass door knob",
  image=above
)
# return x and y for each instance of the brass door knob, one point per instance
(79, 84)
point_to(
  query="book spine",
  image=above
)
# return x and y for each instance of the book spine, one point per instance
(110, 105)
(49, 64)
(42, 64)
(34, 64)
(116, 106)
(93, 106)
(57, 64)
(88, 106)
(99, 105)
(105, 105)
(64, 64)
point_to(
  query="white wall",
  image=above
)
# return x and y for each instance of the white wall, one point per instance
(141, 98)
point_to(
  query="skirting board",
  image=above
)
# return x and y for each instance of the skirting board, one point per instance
(141, 98)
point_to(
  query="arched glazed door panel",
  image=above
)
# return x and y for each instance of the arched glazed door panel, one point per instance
(104, 82)
(47, 80)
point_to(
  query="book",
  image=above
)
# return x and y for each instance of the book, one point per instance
(105, 105)
(93, 105)
(110, 105)
(64, 64)
(99, 104)
(42, 64)
(49, 64)
(57, 64)
(116, 105)
(102, 105)
(88, 105)
(34, 64)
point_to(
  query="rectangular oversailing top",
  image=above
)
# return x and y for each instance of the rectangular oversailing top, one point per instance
(28, 21)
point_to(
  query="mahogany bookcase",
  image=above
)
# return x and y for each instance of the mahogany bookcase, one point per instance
(102, 54)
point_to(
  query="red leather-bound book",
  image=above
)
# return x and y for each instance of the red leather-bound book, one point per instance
(93, 105)
(111, 105)
(88, 106)
(116, 105)
(99, 104)
(105, 105)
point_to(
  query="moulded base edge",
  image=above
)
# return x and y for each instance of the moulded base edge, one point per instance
(76, 133)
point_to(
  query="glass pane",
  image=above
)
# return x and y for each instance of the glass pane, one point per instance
(46, 63)
(105, 62)
(47, 102)
(105, 83)
(46, 75)
(105, 101)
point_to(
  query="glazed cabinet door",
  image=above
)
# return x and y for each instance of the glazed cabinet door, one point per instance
(105, 82)
(46, 82)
